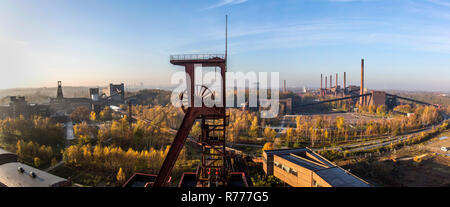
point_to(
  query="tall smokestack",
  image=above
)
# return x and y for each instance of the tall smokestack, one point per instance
(331, 81)
(344, 81)
(361, 91)
(321, 79)
(336, 80)
(326, 82)
(284, 88)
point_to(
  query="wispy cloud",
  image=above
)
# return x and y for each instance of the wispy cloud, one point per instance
(440, 2)
(431, 8)
(329, 32)
(226, 3)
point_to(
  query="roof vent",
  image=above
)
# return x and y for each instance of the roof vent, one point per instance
(20, 169)
(32, 174)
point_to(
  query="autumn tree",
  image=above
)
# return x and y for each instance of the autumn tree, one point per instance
(403, 108)
(254, 128)
(41, 130)
(267, 146)
(80, 114)
(289, 134)
(53, 162)
(298, 125)
(37, 161)
(120, 176)
(381, 110)
(196, 129)
(81, 129)
(269, 133)
(93, 116)
(106, 114)
(28, 151)
(372, 109)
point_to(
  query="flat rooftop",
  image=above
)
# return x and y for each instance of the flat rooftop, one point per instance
(207, 60)
(197, 57)
(302, 162)
(331, 173)
(10, 176)
(338, 177)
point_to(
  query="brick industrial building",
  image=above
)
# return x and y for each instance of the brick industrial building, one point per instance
(304, 168)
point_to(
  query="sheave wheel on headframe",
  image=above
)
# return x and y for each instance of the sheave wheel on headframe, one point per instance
(200, 93)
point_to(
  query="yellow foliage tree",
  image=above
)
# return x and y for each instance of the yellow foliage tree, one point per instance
(253, 132)
(37, 161)
(120, 176)
(267, 146)
(289, 134)
(269, 133)
(93, 116)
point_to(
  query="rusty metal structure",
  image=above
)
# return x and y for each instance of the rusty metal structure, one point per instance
(213, 123)
(358, 95)
(59, 93)
(214, 167)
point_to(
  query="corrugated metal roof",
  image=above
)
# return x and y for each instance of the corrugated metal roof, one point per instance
(303, 163)
(337, 177)
(285, 151)
(332, 174)
(11, 177)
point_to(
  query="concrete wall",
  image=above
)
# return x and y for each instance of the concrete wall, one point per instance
(378, 98)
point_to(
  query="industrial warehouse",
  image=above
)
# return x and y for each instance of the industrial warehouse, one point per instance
(305, 168)
(60, 106)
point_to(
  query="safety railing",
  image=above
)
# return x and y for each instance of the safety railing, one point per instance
(197, 57)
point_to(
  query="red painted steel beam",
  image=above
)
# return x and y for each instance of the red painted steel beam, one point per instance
(176, 147)
(192, 114)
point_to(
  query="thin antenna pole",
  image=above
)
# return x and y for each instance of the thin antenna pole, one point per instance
(226, 36)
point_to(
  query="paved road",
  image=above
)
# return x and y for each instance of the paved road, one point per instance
(55, 166)
(69, 131)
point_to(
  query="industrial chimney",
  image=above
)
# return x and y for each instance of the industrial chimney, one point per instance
(336, 80)
(361, 91)
(331, 81)
(321, 78)
(326, 83)
(345, 86)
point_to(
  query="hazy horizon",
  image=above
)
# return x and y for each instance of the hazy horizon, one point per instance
(173, 86)
(405, 43)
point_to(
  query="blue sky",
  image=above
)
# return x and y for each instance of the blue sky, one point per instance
(406, 43)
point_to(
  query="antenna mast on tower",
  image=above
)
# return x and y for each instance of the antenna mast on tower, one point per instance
(226, 37)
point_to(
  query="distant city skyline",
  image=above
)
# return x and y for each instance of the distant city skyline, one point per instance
(405, 43)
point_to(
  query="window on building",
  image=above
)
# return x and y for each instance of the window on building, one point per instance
(315, 184)
(293, 172)
(278, 164)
